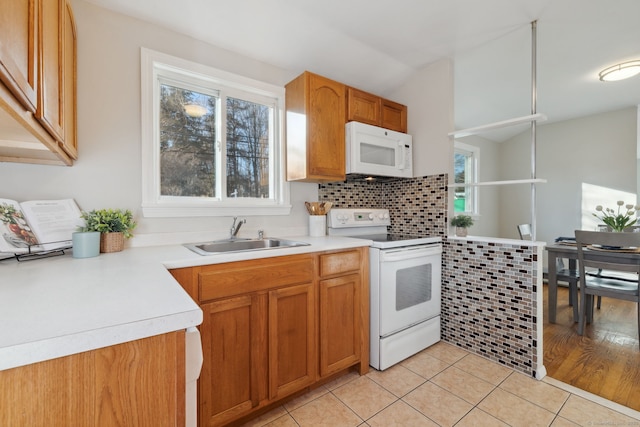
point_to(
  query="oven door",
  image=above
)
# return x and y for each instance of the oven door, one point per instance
(410, 286)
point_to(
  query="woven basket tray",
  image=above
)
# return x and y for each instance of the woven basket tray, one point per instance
(111, 242)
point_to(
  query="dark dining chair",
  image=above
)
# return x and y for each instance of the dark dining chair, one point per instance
(563, 274)
(607, 286)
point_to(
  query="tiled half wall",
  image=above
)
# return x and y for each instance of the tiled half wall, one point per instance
(489, 293)
(489, 301)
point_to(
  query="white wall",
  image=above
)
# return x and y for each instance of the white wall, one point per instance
(429, 97)
(597, 150)
(108, 174)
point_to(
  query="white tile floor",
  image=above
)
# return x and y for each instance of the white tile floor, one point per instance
(446, 386)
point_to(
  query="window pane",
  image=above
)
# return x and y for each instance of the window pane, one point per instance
(187, 143)
(248, 140)
(460, 176)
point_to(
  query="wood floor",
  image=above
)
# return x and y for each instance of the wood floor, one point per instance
(606, 360)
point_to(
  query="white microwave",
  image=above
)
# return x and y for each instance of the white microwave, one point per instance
(376, 151)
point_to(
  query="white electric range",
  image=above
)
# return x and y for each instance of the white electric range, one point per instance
(405, 287)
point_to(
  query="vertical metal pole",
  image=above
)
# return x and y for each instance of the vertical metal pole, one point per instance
(533, 127)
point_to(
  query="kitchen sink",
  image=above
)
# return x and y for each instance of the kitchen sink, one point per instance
(241, 245)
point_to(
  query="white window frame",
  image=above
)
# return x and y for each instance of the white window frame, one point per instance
(473, 179)
(156, 66)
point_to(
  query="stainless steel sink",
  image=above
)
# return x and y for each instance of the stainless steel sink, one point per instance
(241, 245)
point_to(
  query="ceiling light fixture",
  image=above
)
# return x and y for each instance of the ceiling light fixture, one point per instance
(620, 71)
(195, 110)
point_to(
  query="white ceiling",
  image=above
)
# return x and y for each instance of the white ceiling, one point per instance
(375, 45)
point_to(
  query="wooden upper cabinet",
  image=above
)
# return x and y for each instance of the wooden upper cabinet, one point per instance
(371, 109)
(38, 81)
(69, 111)
(315, 137)
(363, 107)
(18, 50)
(394, 116)
(51, 76)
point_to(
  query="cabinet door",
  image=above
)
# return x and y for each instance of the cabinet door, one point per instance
(69, 91)
(339, 323)
(292, 339)
(363, 107)
(325, 128)
(137, 383)
(18, 50)
(315, 142)
(394, 116)
(234, 359)
(50, 77)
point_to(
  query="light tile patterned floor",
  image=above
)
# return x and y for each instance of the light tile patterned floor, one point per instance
(443, 386)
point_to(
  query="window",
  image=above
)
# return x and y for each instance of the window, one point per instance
(212, 141)
(465, 168)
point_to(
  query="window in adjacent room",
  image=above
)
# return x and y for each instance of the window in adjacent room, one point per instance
(465, 167)
(212, 141)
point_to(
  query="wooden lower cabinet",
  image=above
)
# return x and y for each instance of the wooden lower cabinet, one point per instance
(339, 323)
(275, 326)
(344, 310)
(233, 359)
(138, 383)
(292, 349)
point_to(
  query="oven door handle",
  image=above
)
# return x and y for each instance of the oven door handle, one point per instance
(409, 253)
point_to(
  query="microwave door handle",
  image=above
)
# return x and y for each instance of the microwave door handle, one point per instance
(403, 159)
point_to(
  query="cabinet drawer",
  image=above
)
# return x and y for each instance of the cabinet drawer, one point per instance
(223, 280)
(340, 262)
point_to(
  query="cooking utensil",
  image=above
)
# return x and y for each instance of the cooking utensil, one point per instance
(318, 208)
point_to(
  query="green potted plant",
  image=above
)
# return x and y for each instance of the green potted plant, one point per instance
(618, 220)
(461, 223)
(114, 226)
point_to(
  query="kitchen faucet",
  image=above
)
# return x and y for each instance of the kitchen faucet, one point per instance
(235, 228)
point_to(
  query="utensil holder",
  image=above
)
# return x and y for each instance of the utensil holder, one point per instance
(317, 225)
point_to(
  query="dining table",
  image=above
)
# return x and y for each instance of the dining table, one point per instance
(568, 250)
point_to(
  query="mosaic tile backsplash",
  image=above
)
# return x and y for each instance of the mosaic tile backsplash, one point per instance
(488, 289)
(417, 206)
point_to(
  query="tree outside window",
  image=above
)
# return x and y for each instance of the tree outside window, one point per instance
(187, 144)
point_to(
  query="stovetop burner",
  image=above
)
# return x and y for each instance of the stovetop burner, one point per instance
(371, 224)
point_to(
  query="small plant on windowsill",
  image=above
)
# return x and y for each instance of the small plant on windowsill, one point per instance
(461, 223)
(114, 226)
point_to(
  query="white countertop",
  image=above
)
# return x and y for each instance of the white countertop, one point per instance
(499, 240)
(59, 306)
